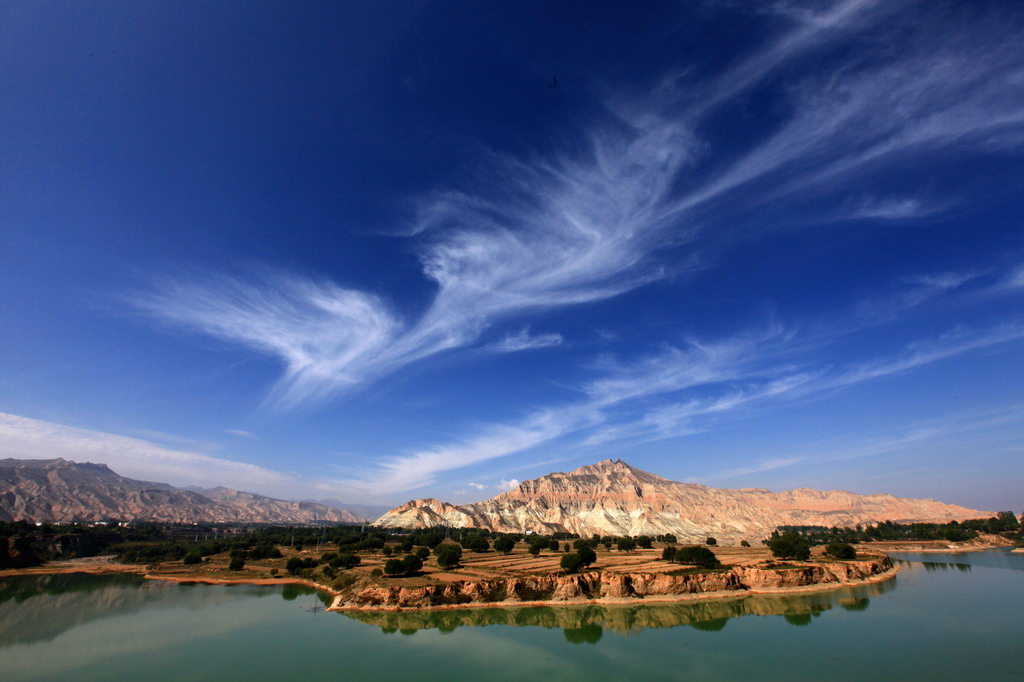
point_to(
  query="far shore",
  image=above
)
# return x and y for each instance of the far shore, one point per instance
(490, 565)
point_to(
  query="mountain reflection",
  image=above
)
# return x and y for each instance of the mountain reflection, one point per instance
(587, 623)
(41, 607)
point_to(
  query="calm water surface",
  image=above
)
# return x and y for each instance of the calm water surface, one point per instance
(944, 617)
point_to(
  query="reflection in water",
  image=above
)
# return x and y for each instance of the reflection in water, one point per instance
(588, 634)
(935, 565)
(41, 607)
(709, 625)
(711, 615)
(992, 558)
(855, 603)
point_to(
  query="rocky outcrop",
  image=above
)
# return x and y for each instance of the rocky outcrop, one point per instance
(613, 498)
(596, 585)
(704, 614)
(61, 491)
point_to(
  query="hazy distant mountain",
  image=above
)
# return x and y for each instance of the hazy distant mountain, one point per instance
(367, 511)
(613, 498)
(58, 490)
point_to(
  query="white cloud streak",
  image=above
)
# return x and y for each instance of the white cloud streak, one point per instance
(523, 340)
(26, 438)
(712, 380)
(583, 226)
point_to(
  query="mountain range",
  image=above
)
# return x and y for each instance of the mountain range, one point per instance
(62, 491)
(613, 498)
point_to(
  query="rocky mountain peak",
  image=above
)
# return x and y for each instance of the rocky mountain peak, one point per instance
(62, 491)
(613, 498)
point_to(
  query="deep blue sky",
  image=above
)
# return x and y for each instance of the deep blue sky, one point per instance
(366, 251)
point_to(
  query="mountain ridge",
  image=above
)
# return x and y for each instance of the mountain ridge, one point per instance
(62, 491)
(613, 498)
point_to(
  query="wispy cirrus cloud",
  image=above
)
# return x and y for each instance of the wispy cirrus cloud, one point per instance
(673, 392)
(891, 208)
(907, 436)
(523, 340)
(588, 222)
(561, 231)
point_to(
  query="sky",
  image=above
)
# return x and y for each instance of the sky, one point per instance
(376, 251)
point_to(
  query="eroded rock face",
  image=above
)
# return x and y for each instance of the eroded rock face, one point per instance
(61, 491)
(613, 498)
(596, 585)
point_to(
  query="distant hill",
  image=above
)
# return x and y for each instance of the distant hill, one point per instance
(61, 491)
(613, 498)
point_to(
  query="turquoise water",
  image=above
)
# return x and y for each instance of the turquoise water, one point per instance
(944, 617)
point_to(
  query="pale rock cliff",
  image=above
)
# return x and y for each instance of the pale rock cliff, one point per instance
(613, 498)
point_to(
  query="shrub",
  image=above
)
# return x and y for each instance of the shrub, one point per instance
(345, 561)
(711, 542)
(297, 564)
(264, 551)
(625, 544)
(191, 559)
(841, 550)
(571, 562)
(790, 546)
(237, 564)
(475, 542)
(744, 543)
(697, 556)
(448, 555)
(505, 544)
(669, 553)
(411, 564)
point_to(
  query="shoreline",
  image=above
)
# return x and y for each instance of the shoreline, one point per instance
(660, 599)
(108, 567)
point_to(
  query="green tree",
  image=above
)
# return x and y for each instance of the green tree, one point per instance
(669, 553)
(535, 549)
(411, 564)
(571, 562)
(587, 555)
(697, 556)
(237, 564)
(345, 561)
(790, 546)
(191, 559)
(626, 544)
(448, 555)
(505, 544)
(475, 542)
(711, 542)
(553, 545)
(644, 542)
(393, 567)
(840, 550)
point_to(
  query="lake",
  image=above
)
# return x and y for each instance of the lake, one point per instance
(944, 617)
